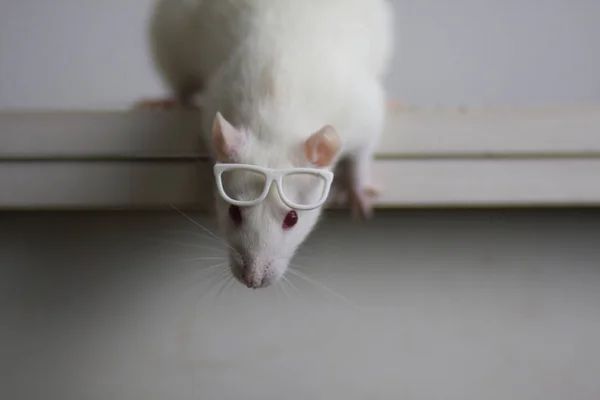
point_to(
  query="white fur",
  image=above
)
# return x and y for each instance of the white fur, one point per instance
(278, 70)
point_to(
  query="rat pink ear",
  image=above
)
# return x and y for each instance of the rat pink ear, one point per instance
(227, 139)
(322, 147)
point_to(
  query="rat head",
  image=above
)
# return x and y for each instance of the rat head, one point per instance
(256, 210)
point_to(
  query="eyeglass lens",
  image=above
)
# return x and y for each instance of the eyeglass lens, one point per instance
(304, 188)
(243, 184)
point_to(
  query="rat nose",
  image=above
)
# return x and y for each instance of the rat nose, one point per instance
(253, 277)
(254, 274)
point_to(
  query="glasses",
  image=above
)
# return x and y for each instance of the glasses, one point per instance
(248, 185)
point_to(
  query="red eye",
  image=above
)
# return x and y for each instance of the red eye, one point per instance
(235, 214)
(290, 220)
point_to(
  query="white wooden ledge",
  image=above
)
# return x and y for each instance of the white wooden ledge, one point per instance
(143, 159)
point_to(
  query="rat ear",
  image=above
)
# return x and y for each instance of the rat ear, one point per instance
(226, 138)
(321, 148)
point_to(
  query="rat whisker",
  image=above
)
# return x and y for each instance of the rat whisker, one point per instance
(297, 267)
(184, 244)
(203, 228)
(187, 264)
(319, 284)
(289, 282)
(199, 268)
(302, 256)
(226, 284)
(279, 293)
(221, 264)
(287, 294)
(205, 259)
(195, 234)
(193, 269)
(193, 276)
(283, 258)
(191, 264)
(200, 274)
(217, 278)
(186, 232)
(233, 283)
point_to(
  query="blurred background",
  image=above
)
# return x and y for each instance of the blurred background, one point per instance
(443, 303)
(83, 54)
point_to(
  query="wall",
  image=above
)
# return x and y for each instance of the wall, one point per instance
(92, 54)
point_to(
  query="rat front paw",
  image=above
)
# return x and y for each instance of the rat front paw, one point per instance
(361, 203)
(372, 191)
(353, 188)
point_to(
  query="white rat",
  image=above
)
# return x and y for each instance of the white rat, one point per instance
(280, 84)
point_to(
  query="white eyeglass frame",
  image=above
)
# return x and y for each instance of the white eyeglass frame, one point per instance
(272, 175)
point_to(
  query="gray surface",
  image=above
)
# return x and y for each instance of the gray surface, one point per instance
(92, 54)
(440, 305)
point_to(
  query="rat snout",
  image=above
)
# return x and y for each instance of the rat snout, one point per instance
(254, 273)
(254, 277)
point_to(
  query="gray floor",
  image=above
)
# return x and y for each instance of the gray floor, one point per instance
(414, 305)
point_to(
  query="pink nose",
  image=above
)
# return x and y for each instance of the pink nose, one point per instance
(253, 277)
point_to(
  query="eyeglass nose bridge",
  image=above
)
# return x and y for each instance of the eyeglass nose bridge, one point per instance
(277, 180)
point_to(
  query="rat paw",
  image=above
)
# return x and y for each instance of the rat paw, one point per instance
(360, 203)
(372, 191)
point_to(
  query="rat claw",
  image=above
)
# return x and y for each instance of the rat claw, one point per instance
(362, 203)
(372, 191)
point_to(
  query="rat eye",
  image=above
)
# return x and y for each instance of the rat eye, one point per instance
(235, 214)
(290, 220)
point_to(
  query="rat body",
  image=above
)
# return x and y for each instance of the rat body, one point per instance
(280, 84)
